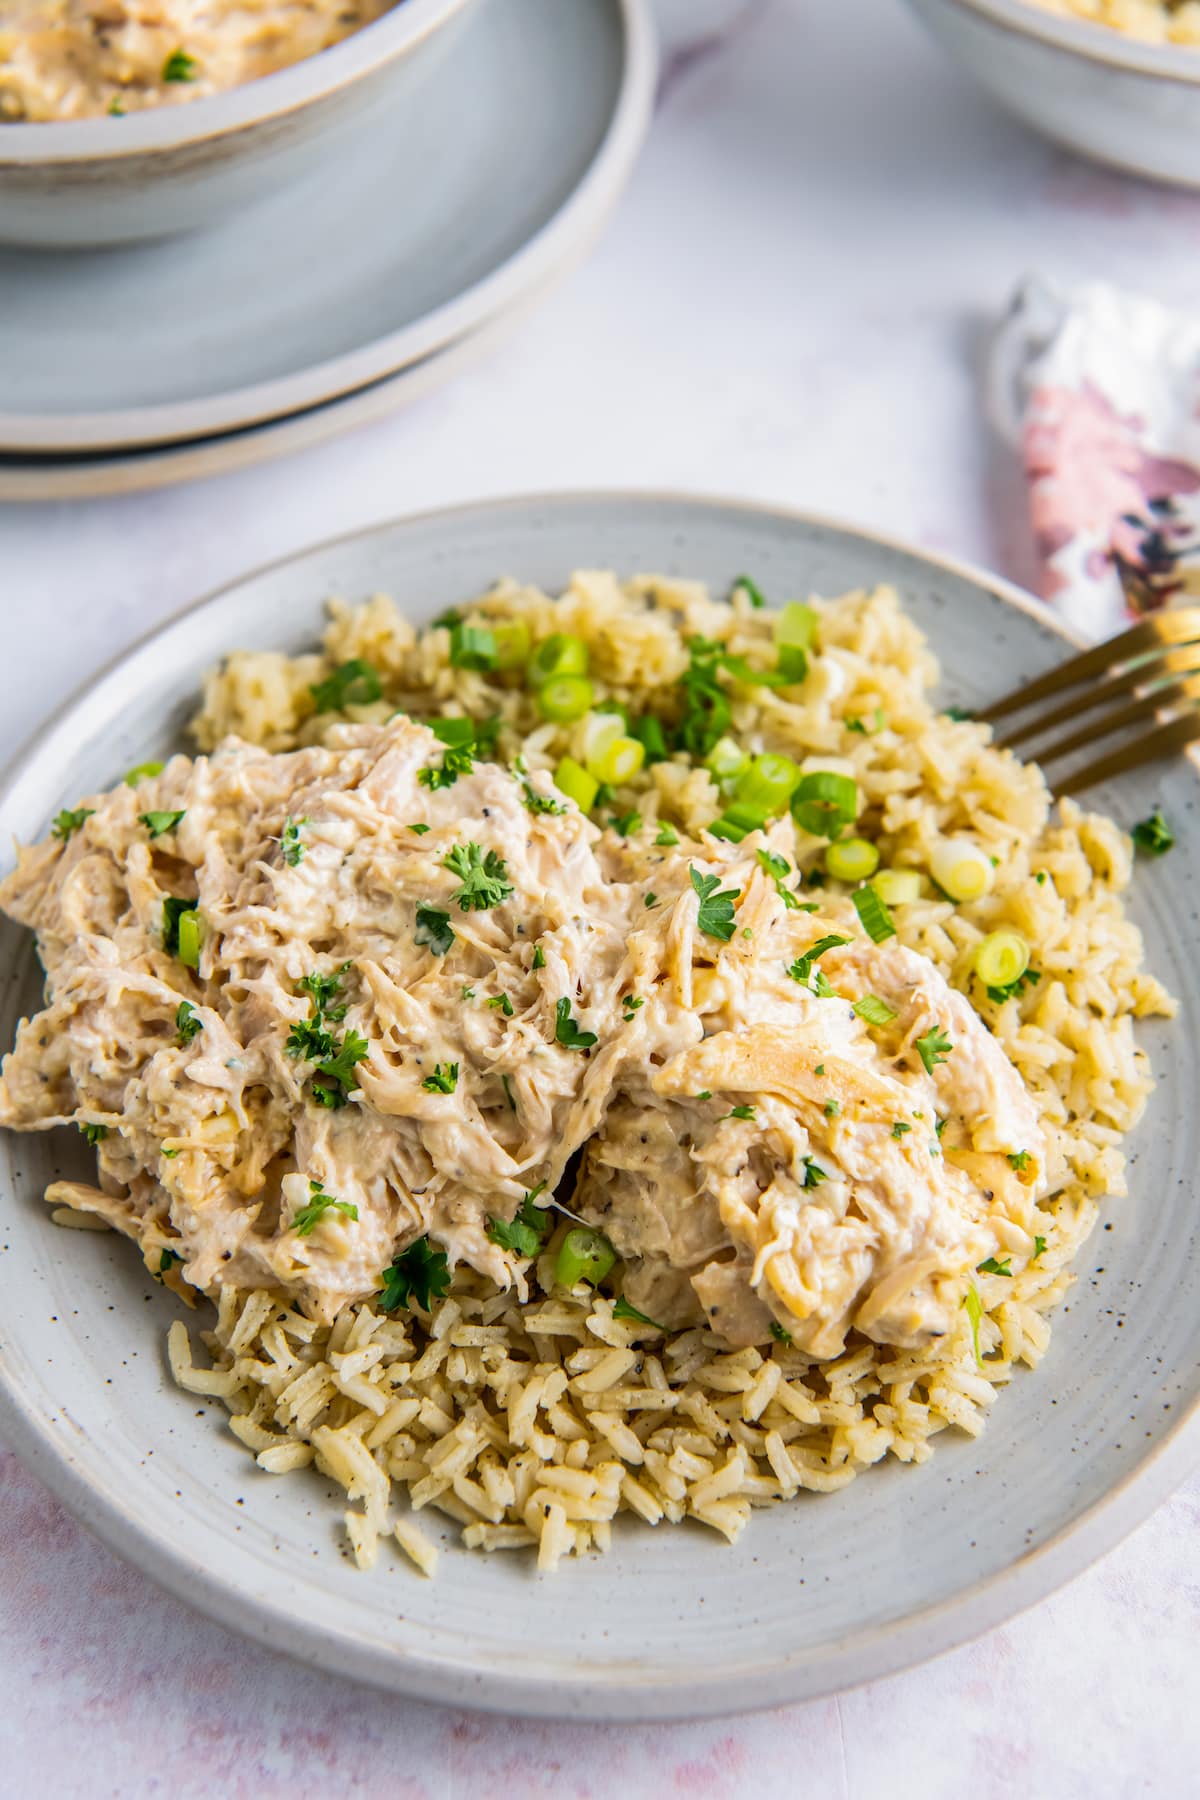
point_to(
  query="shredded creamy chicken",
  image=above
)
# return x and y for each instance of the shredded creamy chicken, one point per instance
(74, 59)
(415, 1004)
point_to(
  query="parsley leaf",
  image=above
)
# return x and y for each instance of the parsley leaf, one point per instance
(67, 823)
(539, 957)
(631, 1316)
(419, 829)
(974, 1306)
(626, 823)
(751, 590)
(539, 803)
(1039, 1245)
(933, 1048)
(666, 836)
(157, 823)
(433, 929)
(566, 1030)
(502, 1004)
(715, 914)
(992, 1267)
(707, 711)
(167, 1261)
(1153, 836)
(780, 1333)
(1001, 994)
(94, 1133)
(813, 1173)
(187, 1025)
(1019, 1160)
(739, 1112)
(899, 1128)
(179, 66)
(420, 1273)
(321, 989)
(832, 1108)
(443, 1080)
(319, 1203)
(778, 868)
(524, 1234)
(632, 1004)
(484, 877)
(353, 683)
(290, 847)
(802, 969)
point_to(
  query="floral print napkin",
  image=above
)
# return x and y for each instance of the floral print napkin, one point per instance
(1099, 391)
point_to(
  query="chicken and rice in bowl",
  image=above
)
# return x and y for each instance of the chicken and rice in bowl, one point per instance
(627, 1052)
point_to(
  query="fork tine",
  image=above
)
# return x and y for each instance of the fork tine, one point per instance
(1185, 661)
(1144, 708)
(1179, 626)
(1151, 748)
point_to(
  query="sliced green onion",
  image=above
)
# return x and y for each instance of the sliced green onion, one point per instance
(513, 639)
(897, 887)
(852, 859)
(597, 732)
(726, 761)
(564, 698)
(143, 772)
(617, 708)
(823, 802)
(961, 869)
(729, 829)
(873, 1011)
(191, 936)
(767, 783)
(620, 762)
(473, 647)
(561, 654)
(795, 634)
(573, 780)
(1002, 958)
(583, 1256)
(649, 732)
(873, 915)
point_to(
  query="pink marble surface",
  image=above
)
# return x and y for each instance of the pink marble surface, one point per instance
(790, 306)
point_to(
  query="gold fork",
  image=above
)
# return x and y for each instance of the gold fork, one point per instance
(1149, 673)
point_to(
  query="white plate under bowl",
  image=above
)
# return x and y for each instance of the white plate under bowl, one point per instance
(819, 1593)
(455, 208)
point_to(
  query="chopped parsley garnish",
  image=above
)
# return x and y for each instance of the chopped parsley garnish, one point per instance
(958, 713)
(66, 824)
(187, 1025)
(626, 823)
(974, 1306)
(506, 1084)
(1041, 877)
(433, 929)
(1153, 836)
(179, 66)
(632, 1004)
(1019, 1160)
(443, 1080)
(873, 915)
(780, 1333)
(311, 1041)
(940, 1127)
(813, 1173)
(778, 868)
(94, 1133)
(666, 836)
(1001, 994)
(715, 913)
(933, 1048)
(900, 1128)
(631, 1316)
(318, 1204)
(539, 957)
(861, 726)
(706, 707)
(1039, 1245)
(322, 989)
(167, 1261)
(502, 1004)
(802, 969)
(420, 1273)
(157, 823)
(115, 109)
(649, 900)
(483, 876)
(992, 1267)
(739, 1112)
(832, 1108)
(353, 683)
(173, 911)
(419, 829)
(566, 1030)
(539, 803)
(463, 741)
(468, 993)
(290, 847)
(820, 1069)
(524, 1234)
(705, 1095)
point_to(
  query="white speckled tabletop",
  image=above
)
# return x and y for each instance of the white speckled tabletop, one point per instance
(790, 306)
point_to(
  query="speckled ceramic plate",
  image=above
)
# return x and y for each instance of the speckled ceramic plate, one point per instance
(455, 208)
(819, 1593)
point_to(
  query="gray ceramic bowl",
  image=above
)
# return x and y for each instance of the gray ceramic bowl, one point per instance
(1134, 105)
(166, 170)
